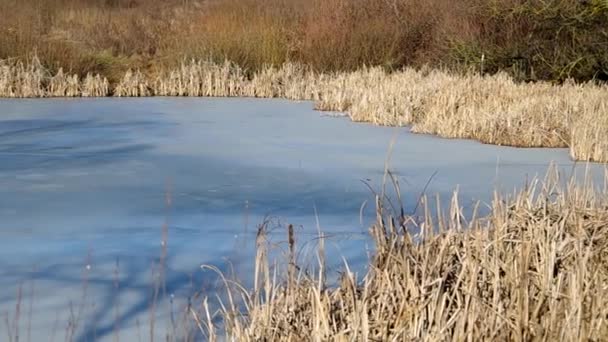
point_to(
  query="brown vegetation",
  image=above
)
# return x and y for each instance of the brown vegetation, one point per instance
(550, 40)
(533, 269)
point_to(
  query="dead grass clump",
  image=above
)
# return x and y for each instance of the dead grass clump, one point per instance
(496, 110)
(62, 85)
(590, 132)
(201, 78)
(133, 84)
(34, 80)
(95, 86)
(534, 268)
(22, 80)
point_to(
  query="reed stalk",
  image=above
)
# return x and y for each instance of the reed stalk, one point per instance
(533, 269)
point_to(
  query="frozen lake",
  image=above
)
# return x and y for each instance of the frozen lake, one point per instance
(86, 181)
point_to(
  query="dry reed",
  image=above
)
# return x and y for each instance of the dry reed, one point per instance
(493, 109)
(133, 84)
(533, 269)
(19, 80)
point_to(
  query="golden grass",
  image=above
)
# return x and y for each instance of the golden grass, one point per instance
(201, 78)
(533, 269)
(133, 84)
(21, 80)
(492, 109)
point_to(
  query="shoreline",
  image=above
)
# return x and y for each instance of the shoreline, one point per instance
(492, 109)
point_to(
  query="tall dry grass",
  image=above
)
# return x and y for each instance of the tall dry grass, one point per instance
(533, 269)
(493, 109)
(21, 80)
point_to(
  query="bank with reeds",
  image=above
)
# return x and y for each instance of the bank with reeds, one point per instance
(535, 268)
(493, 109)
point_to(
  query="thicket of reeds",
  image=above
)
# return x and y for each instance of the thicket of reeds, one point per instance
(21, 80)
(533, 269)
(493, 109)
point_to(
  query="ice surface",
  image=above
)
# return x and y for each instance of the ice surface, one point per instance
(85, 182)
